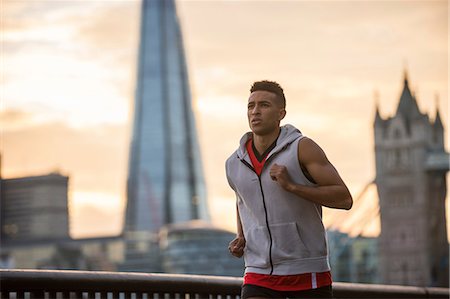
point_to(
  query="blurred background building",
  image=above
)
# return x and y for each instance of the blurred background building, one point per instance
(165, 181)
(35, 228)
(353, 259)
(34, 208)
(411, 164)
(198, 248)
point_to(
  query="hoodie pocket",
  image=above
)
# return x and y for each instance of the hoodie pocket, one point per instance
(256, 252)
(287, 243)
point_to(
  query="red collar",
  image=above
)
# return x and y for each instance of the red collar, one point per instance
(258, 166)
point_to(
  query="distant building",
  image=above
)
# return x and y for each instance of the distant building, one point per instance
(340, 252)
(353, 259)
(142, 253)
(165, 177)
(165, 180)
(411, 164)
(96, 254)
(365, 260)
(198, 248)
(34, 208)
(35, 229)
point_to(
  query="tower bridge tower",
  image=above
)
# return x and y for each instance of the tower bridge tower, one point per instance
(411, 164)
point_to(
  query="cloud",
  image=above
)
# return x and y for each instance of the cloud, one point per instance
(110, 39)
(13, 118)
(95, 158)
(20, 18)
(306, 50)
(15, 15)
(76, 57)
(112, 27)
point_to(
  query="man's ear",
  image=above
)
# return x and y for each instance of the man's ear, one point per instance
(282, 114)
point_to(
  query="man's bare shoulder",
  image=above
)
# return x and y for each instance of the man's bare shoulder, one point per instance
(309, 151)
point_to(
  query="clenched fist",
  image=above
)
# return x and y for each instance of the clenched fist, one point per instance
(236, 247)
(280, 174)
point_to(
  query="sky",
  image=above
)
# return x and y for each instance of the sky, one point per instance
(68, 75)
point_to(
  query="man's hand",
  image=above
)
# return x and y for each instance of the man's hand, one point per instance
(236, 247)
(280, 174)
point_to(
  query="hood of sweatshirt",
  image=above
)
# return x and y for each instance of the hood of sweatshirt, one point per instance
(288, 134)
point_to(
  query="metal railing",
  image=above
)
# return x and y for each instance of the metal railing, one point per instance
(110, 285)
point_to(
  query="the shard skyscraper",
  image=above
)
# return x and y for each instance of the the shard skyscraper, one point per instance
(165, 181)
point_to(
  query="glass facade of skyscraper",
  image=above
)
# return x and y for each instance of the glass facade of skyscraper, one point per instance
(165, 182)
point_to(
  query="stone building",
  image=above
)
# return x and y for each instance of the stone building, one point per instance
(411, 164)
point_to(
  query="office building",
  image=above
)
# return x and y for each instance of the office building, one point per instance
(34, 208)
(165, 179)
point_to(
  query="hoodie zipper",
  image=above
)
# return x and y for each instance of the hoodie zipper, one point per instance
(265, 212)
(264, 199)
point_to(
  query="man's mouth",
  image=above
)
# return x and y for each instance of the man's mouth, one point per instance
(255, 121)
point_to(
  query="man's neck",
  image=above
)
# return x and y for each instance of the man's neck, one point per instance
(262, 142)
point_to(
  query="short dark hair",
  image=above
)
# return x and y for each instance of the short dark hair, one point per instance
(270, 86)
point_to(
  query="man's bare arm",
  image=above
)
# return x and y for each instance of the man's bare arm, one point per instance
(236, 247)
(330, 191)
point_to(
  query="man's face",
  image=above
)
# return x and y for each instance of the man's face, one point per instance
(264, 112)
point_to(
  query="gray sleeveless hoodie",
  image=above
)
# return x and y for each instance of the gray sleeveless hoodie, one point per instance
(284, 233)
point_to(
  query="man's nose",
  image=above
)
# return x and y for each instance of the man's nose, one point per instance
(255, 110)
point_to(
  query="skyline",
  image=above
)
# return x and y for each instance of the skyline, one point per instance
(69, 68)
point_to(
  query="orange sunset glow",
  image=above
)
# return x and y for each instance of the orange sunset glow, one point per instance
(68, 71)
